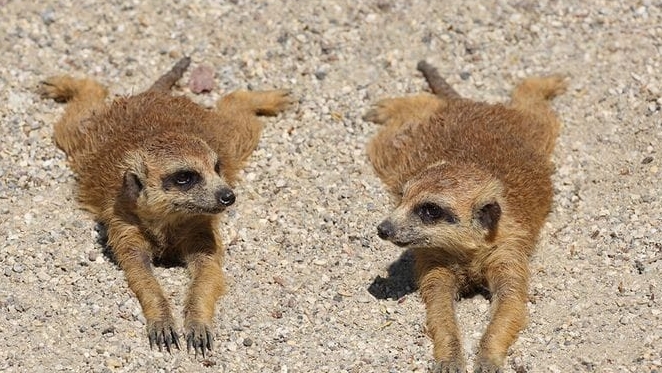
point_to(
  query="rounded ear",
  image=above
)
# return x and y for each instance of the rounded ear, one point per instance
(131, 186)
(134, 178)
(488, 215)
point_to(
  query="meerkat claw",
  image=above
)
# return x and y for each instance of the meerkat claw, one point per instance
(199, 337)
(163, 334)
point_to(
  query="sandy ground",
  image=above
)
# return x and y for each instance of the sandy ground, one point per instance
(306, 269)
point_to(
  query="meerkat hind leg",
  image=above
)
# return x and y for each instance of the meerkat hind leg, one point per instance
(532, 97)
(240, 129)
(394, 112)
(391, 150)
(268, 103)
(83, 96)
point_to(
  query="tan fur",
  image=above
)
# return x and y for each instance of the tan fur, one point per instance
(473, 185)
(128, 155)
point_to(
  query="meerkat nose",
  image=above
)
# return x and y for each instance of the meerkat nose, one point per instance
(385, 230)
(225, 196)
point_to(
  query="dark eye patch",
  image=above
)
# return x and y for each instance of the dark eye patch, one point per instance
(431, 213)
(181, 180)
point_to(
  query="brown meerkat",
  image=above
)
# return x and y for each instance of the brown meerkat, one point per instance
(472, 182)
(156, 170)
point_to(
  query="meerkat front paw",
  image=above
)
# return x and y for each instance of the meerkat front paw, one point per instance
(162, 333)
(448, 367)
(199, 337)
(485, 366)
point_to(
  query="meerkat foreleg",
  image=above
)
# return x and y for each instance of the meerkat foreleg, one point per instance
(508, 283)
(132, 252)
(438, 290)
(204, 262)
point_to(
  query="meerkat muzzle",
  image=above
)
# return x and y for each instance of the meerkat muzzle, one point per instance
(385, 230)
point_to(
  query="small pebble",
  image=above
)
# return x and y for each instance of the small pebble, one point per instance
(48, 16)
(113, 363)
(202, 79)
(320, 74)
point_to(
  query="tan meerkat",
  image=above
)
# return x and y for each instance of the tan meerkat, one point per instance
(473, 186)
(157, 170)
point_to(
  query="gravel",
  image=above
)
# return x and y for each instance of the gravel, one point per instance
(303, 259)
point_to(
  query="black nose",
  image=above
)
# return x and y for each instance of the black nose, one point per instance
(225, 196)
(385, 230)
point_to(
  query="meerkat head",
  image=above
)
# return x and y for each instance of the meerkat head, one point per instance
(451, 207)
(175, 174)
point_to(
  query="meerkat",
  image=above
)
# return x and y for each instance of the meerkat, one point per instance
(156, 170)
(472, 182)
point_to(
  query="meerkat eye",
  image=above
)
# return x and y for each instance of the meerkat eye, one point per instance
(182, 180)
(217, 167)
(431, 213)
(185, 178)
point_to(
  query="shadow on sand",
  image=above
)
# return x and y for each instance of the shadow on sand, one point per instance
(400, 281)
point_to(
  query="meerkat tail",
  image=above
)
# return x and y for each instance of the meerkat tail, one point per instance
(167, 80)
(437, 84)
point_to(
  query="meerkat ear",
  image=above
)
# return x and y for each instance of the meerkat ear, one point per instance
(134, 178)
(488, 215)
(131, 186)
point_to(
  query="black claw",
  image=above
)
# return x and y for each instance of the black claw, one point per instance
(199, 338)
(175, 339)
(190, 342)
(162, 333)
(210, 340)
(151, 340)
(159, 339)
(168, 342)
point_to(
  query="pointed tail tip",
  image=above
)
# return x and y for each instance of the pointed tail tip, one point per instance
(183, 63)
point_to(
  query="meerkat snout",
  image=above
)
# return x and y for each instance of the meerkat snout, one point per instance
(385, 230)
(225, 196)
